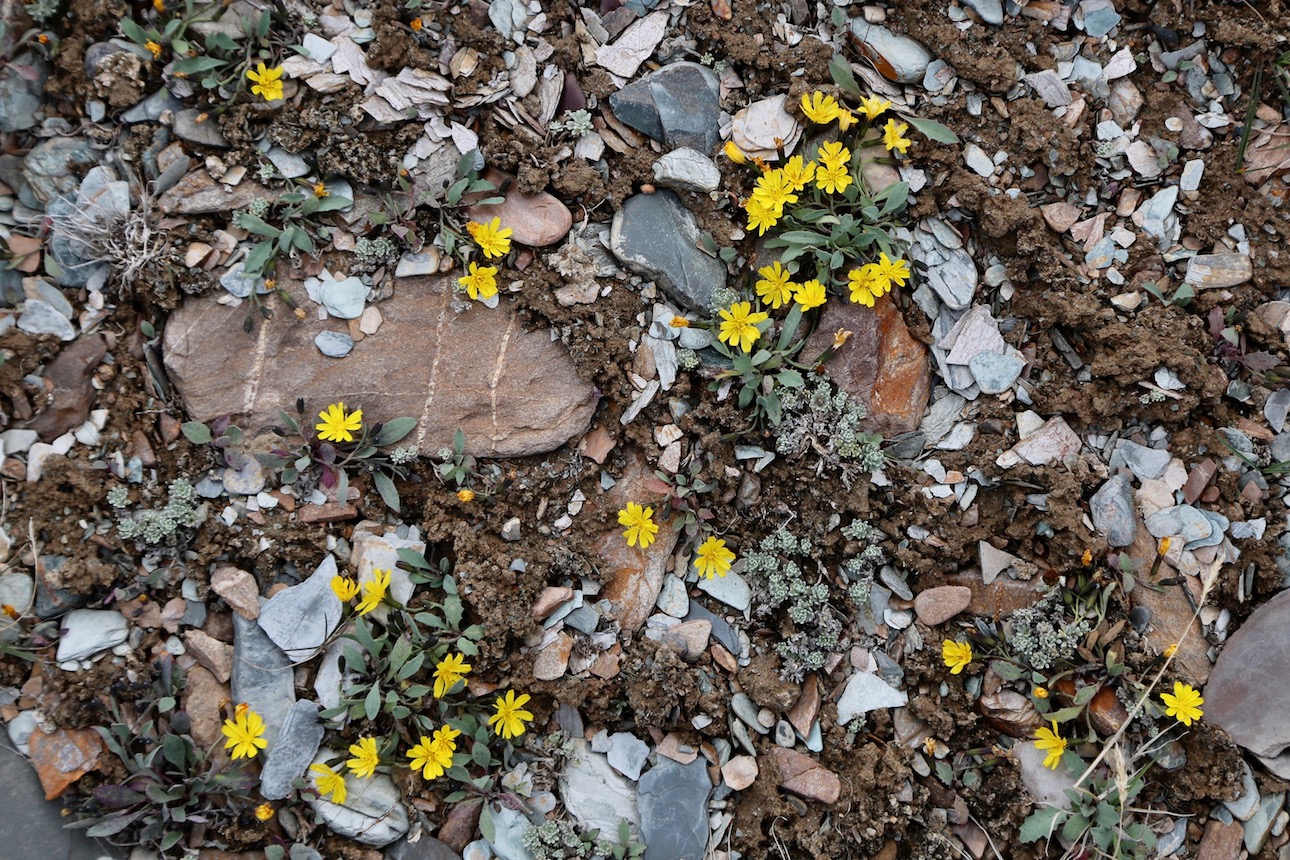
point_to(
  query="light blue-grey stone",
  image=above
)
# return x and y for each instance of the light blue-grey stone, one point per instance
(239, 284)
(288, 164)
(21, 94)
(584, 619)
(152, 107)
(746, 710)
(1180, 520)
(1276, 408)
(1111, 508)
(291, 755)
(1220, 526)
(51, 167)
(594, 793)
(372, 813)
(1101, 255)
(991, 11)
(672, 597)
(263, 676)
(731, 589)
(344, 299)
(103, 197)
(678, 105)
(1145, 463)
(43, 318)
(299, 619)
(17, 441)
(627, 754)
(866, 692)
(333, 344)
(687, 170)
(317, 48)
(54, 297)
(1259, 824)
(1101, 21)
(1249, 528)
(85, 632)
(508, 826)
(673, 802)
(244, 475)
(1245, 803)
(995, 373)
(657, 237)
(416, 264)
(205, 133)
(954, 280)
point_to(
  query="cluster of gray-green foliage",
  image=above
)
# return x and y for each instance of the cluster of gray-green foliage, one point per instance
(162, 526)
(825, 420)
(1044, 634)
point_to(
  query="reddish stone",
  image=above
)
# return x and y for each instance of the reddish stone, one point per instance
(332, 512)
(881, 364)
(63, 757)
(1221, 841)
(1201, 475)
(807, 707)
(1107, 712)
(805, 777)
(635, 575)
(549, 600)
(458, 830)
(537, 220)
(73, 392)
(1003, 596)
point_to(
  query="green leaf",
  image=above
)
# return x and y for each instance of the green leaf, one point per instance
(790, 379)
(133, 31)
(196, 65)
(1065, 715)
(399, 654)
(175, 750)
(342, 487)
(453, 610)
(486, 827)
(196, 432)
(842, 75)
(333, 204)
(933, 130)
(1007, 671)
(258, 259)
(258, 226)
(411, 667)
(1074, 827)
(1086, 694)
(372, 704)
(389, 493)
(170, 840)
(456, 190)
(1040, 824)
(481, 756)
(413, 559)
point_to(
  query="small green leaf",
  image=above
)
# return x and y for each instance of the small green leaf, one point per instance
(1041, 824)
(842, 75)
(196, 432)
(389, 493)
(933, 130)
(372, 704)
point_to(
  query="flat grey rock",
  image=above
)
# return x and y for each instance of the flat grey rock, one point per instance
(425, 848)
(206, 133)
(1145, 463)
(344, 299)
(288, 164)
(33, 827)
(263, 676)
(334, 344)
(1248, 693)
(152, 107)
(239, 284)
(1113, 513)
(656, 236)
(994, 372)
(297, 744)
(300, 618)
(732, 590)
(594, 793)
(677, 105)
(673, 803)
(991, 11)
(53, 166)
(86, 632)
(866, 692)
(43, 318)
(954, 280)
(372, 813)
(687, 170)
(628, 754)
(672, 598)
(1180, 520)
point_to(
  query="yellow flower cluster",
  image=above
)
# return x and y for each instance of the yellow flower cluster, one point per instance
(347, 589)
(775, 289)
(873, 280)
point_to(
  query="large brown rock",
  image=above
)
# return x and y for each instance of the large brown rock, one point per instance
(71, 374)
(512, 392)
(1249, 689)
(198, 194)
(881, 364)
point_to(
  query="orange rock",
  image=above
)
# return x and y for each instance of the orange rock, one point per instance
(807, 707)
(636, 575)
(63, 757)
(881, 364)
(331, 512)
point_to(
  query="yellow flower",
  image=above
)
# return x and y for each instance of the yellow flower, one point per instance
(268, 82)
(866, 284)
(374, 591)
(264, 811)
(365, 758)
(739, 325)
(640, 524)
(153, 47)
(320, 189)
(957, 655)
(1040, 692)
(481, 282)
(713, 559)
(846, 119)
(1164, 545)
(774, 190)
(874, 107)
(1184, 704)
(760, 216)
(451, 669)
(895, 271)
(798, 174)
(510, 717)
(840, 337)
(833, 154)
(679, 322)
(1087, 558)
(734, 153)
(344, 588)
(809, 294)
(819, 108)
(493, 239)
(833, 180)
(244, 733)
(1051, 743)
(337, 425)
(775, 288)
(416, 24)
(328, 782)
(160, 6)
(465, 496)
(892, 139)
(1171, 650)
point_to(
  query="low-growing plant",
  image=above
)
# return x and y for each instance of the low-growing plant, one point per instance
(297, 231)
(166, 526)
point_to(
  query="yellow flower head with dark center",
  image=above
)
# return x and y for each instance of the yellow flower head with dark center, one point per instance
(448, 671)
(153, 47)
(263, 812)
(739, 325)
(892, 136)
(774, 287)
(320, 189)
(465, 496)
(734, 153)
(365, 758)
(374, 591)
(797, 173)
(481, 282)
(337, 425)
(492, 238)
(895, 271)
(329, 783)
(1184, 704)
(809, 294)
(957, 655)
(509, 715)
(874, 107)
(833, 180)
(866, 284)
(820, 108)
(1052, 744)
(267, 82)
(640, 525)
(712, 558)
(244, 733)
(833, 154)
(761, 217)
(775, 190)
(344, 588)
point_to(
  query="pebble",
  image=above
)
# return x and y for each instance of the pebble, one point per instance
(511, 529)
(657, 237)
(908, 59)
(866, 692)
(980, 163)
(757, 127)
(678, 105)
(625, 55)
(1258, 826)
(300, 619)
(40, 317)
(1217, 271)
(805, 777)
(1145, 463)
(86, 632)
(424, 263)
(628, 754)
(239, 590)
(995, 373)
(1245, 804)
(1111, 508)
(937, 605)
(344, 299)
(673, 801)
(536, 220)
(333, 344)
(687, 170)
(290, 165)
(731, 589)
(1192, 172)
(319, 49)
(991, 11)
(1180, 520)
(740, 772)
(746, 710)
(206, 133)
